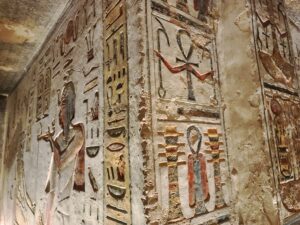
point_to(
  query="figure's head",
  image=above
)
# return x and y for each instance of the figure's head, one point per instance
(67, 106)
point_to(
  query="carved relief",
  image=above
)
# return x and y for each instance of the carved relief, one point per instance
(67, 163)
(43, 94)
(64, 45)
(91, 212)
(89, 10)
(116, 149)
(95, 107)
(284, 130)
(187, 65)
(25, 207)
(92, 113)
(30, 117)
(89, 39)
(70, 32)
(192, 56)
(91, 103)
(13, 145)
(67, 38)
(189, 178)
(93, 180)
(171, 154)
(92, 151)
(197, 174)
(66, 173)
(278, 68)
(214, 144)
(272, 40)
(91, 84)
(90, 70)
(197, 9)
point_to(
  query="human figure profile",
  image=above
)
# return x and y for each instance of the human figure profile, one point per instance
(66, 171)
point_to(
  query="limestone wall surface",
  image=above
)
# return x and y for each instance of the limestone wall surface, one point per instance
(157, 112)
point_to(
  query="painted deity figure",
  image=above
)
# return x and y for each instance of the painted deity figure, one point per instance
(66, 172)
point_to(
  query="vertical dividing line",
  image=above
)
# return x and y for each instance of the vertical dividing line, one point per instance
(2, 167)
(220, 105)
(104, 112)
(252, 4)
(152, 150)
(128, 114)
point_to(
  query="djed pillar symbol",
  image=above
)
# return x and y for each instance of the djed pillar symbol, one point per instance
(215, 151)
(171, 154)
(187, 65)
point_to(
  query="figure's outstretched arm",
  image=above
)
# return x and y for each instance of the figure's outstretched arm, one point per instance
(48, 136)
(175, 69)
(200, 76)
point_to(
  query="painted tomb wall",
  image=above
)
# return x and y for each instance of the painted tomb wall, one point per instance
(279, 73)
(157, 112)
(53, 161)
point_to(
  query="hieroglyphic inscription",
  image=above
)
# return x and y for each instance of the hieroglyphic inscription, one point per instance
(189, 178)
(95, 107)
(172, 154)
(116, 160)
(91, 212)
(30, 117)
(92, 111)
(89, 39)
(197, 174)
(200, 9)
(91, 101)
(273, 43)
(59, 54)
(91, 84)
(279, 77)
(32, 101)
(198, 178)
(92, 151)
(214, 144)
(283, 114)
(192, 61)
(93, 180)
(187, 65)
(43, 93)
(89, 8)
(63, 46)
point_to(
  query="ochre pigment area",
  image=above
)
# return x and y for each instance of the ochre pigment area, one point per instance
(134, 112)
